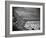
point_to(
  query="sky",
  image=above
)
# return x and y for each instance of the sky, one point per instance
(28, 13)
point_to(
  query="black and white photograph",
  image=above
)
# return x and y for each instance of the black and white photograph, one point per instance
(25, 18)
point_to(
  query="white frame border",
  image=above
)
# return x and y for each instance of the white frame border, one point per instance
(32, 31)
